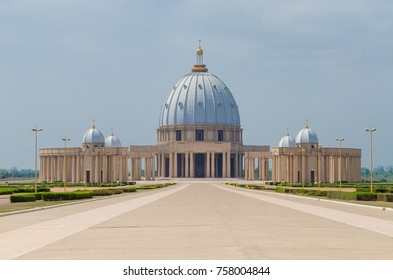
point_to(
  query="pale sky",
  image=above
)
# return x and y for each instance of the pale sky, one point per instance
(64, 63)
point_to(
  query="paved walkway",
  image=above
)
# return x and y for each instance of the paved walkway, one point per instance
(200, 220)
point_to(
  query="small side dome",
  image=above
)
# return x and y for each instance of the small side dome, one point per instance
(306, 135)
(93, 135)
(112, 141)
(287, 141)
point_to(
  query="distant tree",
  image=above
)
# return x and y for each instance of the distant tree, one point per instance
(15, 173)
(365, 172)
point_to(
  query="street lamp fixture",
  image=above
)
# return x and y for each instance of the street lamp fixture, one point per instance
(340, 161)
(371, 130)
(65, 139)
(36, 130)
(319, 165)
(84, 166)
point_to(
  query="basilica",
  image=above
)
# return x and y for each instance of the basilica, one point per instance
(199, 135)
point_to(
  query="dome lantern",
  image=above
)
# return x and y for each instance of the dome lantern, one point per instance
(199, 66)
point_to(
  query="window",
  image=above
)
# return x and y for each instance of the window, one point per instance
(220, 135)
(199, 135)
(178, 135)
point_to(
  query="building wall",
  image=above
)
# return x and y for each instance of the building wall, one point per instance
(92, 164)
(306, 165)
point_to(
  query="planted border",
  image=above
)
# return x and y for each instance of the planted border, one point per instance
(23, 197)
(67, 195)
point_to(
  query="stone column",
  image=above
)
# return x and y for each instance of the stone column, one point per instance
(229, 164)
(213, 165)
(163, 165)
(246, 169)
(171, 173)
(175, 167)
(192, 169)
(224, 164)
(208, 165)
(187, 171)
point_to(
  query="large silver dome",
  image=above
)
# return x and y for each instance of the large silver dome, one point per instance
(200, 98)
(306, 135)
(93, 135)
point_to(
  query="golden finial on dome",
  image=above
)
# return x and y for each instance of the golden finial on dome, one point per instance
(199, 67)
(199, 49)
(306, 123)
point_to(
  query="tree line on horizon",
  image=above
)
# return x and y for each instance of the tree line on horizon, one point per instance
(16, 173)
(380, 173)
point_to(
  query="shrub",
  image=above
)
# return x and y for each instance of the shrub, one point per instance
(341, 195)
(117, 191)
(316, 193)
(102, 192)
(366, 196)
(389, 197)
(280, 190)
(67, 195)
(6, 190)
(147, 187)
(129, 189)
(381, 197)
(24, 197)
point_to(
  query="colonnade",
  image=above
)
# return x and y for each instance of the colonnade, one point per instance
(250, 171)
(295, 168)
(98, 168)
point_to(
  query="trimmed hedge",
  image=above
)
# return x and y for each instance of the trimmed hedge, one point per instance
(389, 197)
(67, 195)
(341, 195)
(102, 192)
(251, 187)
(156, 186)
(366, 196)
(23, 190)
(6, 191)
(23, 197)
(301, 191)
(129, 189)
(375, 189)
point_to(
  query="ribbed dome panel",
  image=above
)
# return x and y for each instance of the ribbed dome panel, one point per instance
(200, 98)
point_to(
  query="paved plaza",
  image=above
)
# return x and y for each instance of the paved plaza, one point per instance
(199, 220)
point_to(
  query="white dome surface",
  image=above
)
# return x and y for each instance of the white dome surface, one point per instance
(93, 135)
(306, 135)
(112, 141)
(287, 141)
(200, 98)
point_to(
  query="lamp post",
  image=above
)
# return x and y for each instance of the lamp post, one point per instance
(65, 139)
(339, 163)
(319, 166)
(36, 130)
(100, 164)
(84, 166)
(371, 130)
